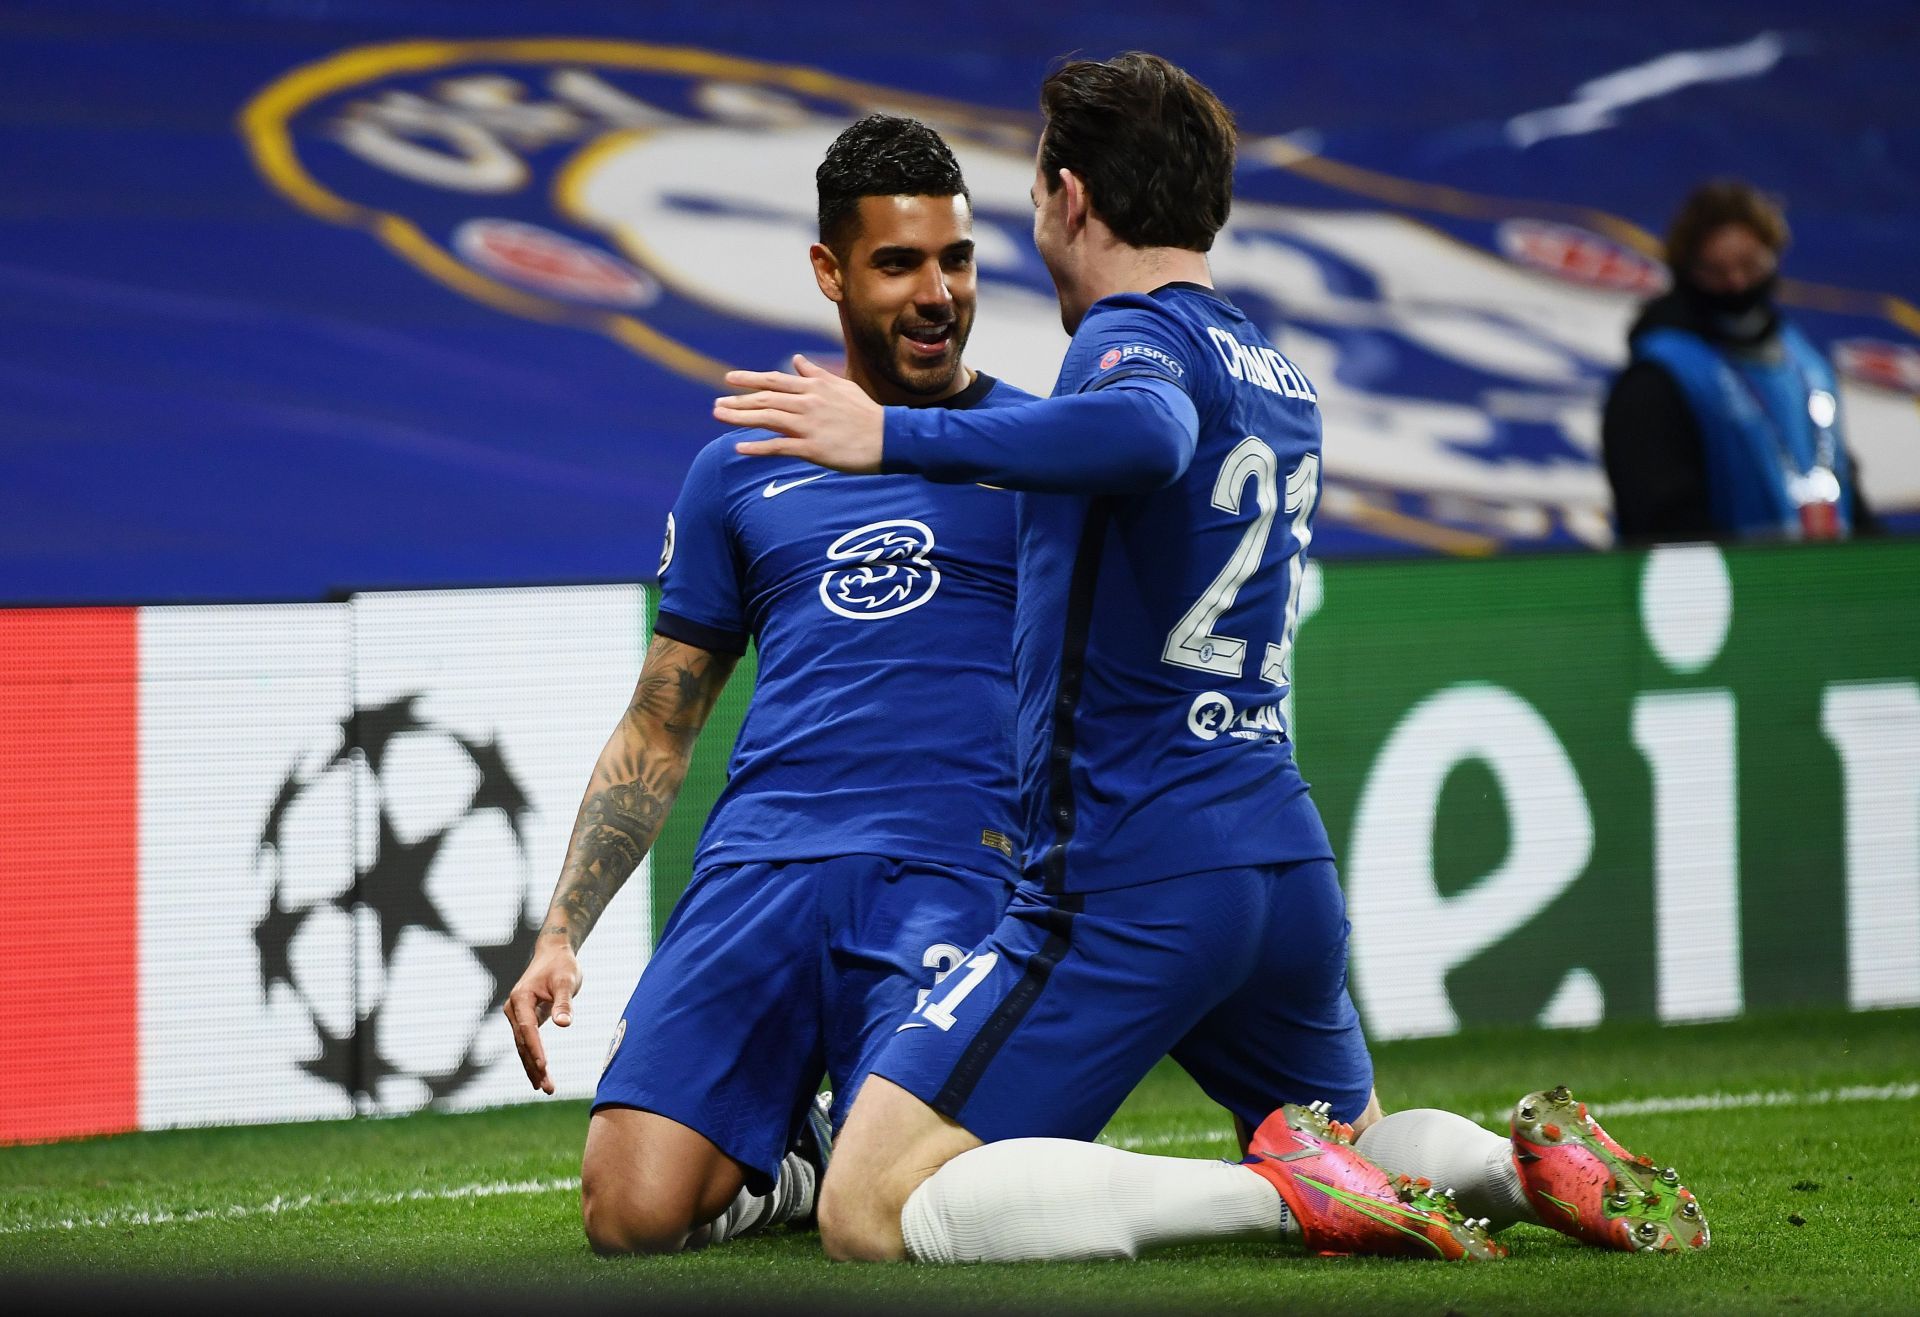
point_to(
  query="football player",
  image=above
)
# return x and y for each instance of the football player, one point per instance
(1179, 894)
(867, 832)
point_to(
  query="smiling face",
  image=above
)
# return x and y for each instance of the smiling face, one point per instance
(905, 285)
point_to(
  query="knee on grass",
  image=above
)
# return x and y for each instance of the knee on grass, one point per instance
(859, 1225)
(621, 1220)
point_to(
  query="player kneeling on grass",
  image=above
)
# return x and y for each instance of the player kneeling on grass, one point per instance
(867, 831)
(1179, 894)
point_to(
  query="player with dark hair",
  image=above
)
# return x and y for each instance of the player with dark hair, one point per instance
(867, 830)
(908, 350)
(1179, 894)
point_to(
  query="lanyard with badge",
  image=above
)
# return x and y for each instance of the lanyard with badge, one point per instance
(1815, 492)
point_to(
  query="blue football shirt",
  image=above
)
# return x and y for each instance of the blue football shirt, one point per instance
(882, 612)
(1168, 497)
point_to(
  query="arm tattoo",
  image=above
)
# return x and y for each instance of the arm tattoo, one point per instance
(678, 700)
(634, 786)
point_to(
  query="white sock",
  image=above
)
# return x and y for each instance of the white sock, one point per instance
(1027, 1200)
(1455, 1154)
(790, 1199)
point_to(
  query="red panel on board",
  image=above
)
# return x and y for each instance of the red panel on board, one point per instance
(69, 872)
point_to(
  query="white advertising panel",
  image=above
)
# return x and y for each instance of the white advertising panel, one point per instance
(352, 817)
(237, 706)
(491, 707)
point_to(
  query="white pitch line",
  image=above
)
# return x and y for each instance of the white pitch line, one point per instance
(1732, 1101)
(279, 1206)
(1136, 1142)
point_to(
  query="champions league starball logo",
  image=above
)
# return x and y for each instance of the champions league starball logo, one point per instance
(397, 884)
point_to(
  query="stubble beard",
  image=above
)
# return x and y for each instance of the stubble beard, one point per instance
(879, 350)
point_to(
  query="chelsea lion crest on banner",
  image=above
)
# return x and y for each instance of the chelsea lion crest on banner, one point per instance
(658, 195)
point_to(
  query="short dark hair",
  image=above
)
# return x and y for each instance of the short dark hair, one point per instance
(882, 155)
(1153, 145)
(1714, 205)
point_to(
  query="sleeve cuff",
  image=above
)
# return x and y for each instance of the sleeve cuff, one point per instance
(897, 444)
(698, 634)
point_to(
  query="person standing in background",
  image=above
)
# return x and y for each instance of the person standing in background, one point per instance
(1725, 423)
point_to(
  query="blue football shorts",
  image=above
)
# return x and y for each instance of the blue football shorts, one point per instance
(769, 974)
(1239, 974)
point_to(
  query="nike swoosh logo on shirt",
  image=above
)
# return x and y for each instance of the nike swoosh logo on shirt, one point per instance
(911, 1024)
(775, 487)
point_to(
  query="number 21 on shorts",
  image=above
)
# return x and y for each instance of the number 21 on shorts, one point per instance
(952, 990)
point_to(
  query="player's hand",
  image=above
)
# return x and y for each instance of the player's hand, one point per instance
(830, 421)
(547, 988)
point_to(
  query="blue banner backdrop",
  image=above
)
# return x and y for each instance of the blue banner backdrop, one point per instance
(298, 298)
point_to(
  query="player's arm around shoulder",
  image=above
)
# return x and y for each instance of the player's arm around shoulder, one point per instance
(1130, 352)
(634, 784)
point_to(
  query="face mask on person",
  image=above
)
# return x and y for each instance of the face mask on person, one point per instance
(1737, 305)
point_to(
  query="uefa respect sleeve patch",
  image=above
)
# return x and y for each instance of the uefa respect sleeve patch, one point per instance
(1140, 354)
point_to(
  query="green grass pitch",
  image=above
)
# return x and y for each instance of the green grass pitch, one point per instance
(1808, 1166)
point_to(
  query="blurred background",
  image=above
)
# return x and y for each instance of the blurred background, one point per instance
(351, 355)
